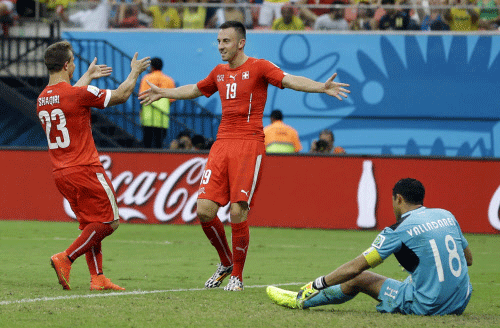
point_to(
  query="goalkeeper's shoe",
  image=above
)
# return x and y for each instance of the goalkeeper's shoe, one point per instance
(100, 282)
(220, 274)
(282, 297)
(234, 284)
(305, 293)
(62, 265)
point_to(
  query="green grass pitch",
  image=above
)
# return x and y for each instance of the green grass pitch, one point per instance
(164, 268)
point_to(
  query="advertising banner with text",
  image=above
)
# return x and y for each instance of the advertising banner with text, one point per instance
(295, 191)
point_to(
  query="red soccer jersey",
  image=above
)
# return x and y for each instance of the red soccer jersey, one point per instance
(64, 112)
(243, 95)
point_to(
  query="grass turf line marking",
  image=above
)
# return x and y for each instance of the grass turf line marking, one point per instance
(136, 292)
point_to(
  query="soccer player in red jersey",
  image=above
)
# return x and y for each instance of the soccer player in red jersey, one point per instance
(64, 112)
(235, 161)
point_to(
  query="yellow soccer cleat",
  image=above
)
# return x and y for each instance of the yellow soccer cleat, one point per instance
(305, 293)
(282, 297)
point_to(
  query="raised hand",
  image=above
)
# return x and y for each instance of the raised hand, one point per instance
(150, 95)
(140, 65)
(97, 71)
(336, 89)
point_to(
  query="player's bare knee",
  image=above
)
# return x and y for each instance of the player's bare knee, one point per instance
(204, 216)
(238, 211)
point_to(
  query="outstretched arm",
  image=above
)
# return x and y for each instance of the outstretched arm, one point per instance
(188, 91)
(301, 83)
(121, 94)
(93, 72)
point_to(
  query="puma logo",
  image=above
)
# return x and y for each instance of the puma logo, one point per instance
(233, 76)
(242, 249)
(245, 192)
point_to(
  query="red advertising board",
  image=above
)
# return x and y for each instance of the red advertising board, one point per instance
(343, 192)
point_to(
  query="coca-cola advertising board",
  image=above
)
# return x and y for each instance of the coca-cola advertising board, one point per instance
(296, 191)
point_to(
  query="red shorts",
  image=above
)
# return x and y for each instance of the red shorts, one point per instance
(89, 192)
(233, 171)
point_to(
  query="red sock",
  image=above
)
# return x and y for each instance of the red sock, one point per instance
(214, 230)
(94, 260)
(240, 240)
(91, 235)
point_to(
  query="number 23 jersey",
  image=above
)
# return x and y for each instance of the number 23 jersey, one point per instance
(243, 95)
(64, 112)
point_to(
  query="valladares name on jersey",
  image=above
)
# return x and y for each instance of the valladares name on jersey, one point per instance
(421, 228)
(42, 101)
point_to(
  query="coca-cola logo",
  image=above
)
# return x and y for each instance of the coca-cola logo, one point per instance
(175, 198)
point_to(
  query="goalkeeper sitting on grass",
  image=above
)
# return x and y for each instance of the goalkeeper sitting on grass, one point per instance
(427, 242)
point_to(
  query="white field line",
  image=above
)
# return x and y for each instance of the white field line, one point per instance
(136, 292)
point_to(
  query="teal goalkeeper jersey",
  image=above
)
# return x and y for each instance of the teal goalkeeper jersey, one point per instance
(430, 245)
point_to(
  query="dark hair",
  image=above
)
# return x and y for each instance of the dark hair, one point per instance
(56, 55)
(411, 190)
(156, 64)
(198, 141)
(339, 12)
(238, 26)
(277, 115)
(329, 132)
(184, 133)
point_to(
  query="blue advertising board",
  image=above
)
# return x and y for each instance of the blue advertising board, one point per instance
(411, 94)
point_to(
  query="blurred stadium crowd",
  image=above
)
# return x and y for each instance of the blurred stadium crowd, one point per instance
(416, 15)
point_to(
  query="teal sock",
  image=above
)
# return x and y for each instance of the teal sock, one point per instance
(330, 295)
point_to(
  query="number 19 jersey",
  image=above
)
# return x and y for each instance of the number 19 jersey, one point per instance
(243, 95)
(64, 112)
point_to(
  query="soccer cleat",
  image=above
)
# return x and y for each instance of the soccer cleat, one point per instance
(100, 282)
(282, 297)
(220, 274)
(234, 284)
(305, 293)
(62, 265)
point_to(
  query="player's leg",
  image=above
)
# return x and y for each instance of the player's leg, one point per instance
(240, 241)
(367, 282)
(214, 230)
(212, 192)
(94, 261)
(60, 261)
(92, 198)
(96, 209)
(245, 168)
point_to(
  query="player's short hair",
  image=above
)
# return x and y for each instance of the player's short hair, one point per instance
(56, 55)
(156, 64)
(277, 115)
(411, 190)
(238, 26)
